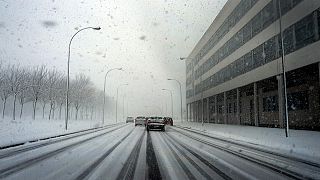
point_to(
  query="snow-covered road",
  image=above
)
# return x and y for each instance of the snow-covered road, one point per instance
(128, 152)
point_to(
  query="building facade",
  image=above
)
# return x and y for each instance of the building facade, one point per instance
(234, 73)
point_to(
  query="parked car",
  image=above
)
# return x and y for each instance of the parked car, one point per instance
(155, 123)
(140, 120)
(168, 121)
(129, 119)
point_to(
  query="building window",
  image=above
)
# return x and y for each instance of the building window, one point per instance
(285, 5)
(258, 56)
(246, 32)
(268, 15)
(219, 109)
(270, 104)
(298, 101)
(229, 108)
(304, 31)
(288, 40)
(256, 24)
(248, 63)
(270, 50)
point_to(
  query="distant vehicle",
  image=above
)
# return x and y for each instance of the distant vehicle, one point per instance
(140, 120)
(155, 123)
(168, 121)
(129, 119)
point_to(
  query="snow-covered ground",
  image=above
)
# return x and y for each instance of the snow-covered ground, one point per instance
(23, 130)
(300, 143)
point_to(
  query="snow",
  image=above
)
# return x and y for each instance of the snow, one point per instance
(24, 130)
(300, 143)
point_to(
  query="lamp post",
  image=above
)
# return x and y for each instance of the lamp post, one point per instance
(171, 79)
(117, 99)
(171, 100)
(68, 73)
(283, 76)
(104, 92)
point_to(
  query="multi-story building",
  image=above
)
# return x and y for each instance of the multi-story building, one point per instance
(234, 73)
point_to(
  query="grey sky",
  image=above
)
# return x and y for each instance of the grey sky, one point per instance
(145, 37)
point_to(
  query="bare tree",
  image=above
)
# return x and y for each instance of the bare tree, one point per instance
(5, 91)
(37, 80)
(79, 90)
(24, 94)
(15, 83)
(53, 92)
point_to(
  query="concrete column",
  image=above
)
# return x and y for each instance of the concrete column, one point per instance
(208, 114)
(238, 106)
(316, 26)
(280, 99)
(255, 104)
(225, 107)
(202, 111)
(187, 112)
(319, 71)
(197, 111)
(192, 112)
(215, 109)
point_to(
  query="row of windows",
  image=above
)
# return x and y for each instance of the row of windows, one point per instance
(297, 101)
(299, 35)
(258, 23)
(240, 10)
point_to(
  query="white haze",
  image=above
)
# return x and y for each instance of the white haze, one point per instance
(146, 38)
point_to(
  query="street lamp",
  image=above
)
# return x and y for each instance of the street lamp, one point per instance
(283, 76)
(117, 99)
(171, 100)
(68, 72)
(104, 92)
(171, 79)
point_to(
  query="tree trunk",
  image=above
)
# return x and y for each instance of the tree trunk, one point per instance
(60, 108)
(87, 113)
(21, 109)
(34, 108)
(50, 111)
(4, 107)
(14, 107)
(77, 113)
(53, 110)
(91, 114)
(43, 107)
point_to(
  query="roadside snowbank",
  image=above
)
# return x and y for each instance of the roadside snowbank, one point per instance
(19, 131)
(300, 143)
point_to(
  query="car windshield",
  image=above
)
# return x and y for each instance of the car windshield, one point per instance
(159, 89)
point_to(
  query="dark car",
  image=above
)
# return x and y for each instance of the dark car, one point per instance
(155, 123)
(168, 121)
(129, 119)
(140, 120)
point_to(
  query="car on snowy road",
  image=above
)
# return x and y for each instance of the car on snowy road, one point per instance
(168, 121)
(129, 119)
(155, 123)
(140, 120)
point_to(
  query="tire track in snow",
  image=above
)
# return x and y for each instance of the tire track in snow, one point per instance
(128, 170)
(152, 171)
(86, 173)
(29, 162)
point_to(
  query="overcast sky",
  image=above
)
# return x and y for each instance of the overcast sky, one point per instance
(145, 37)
